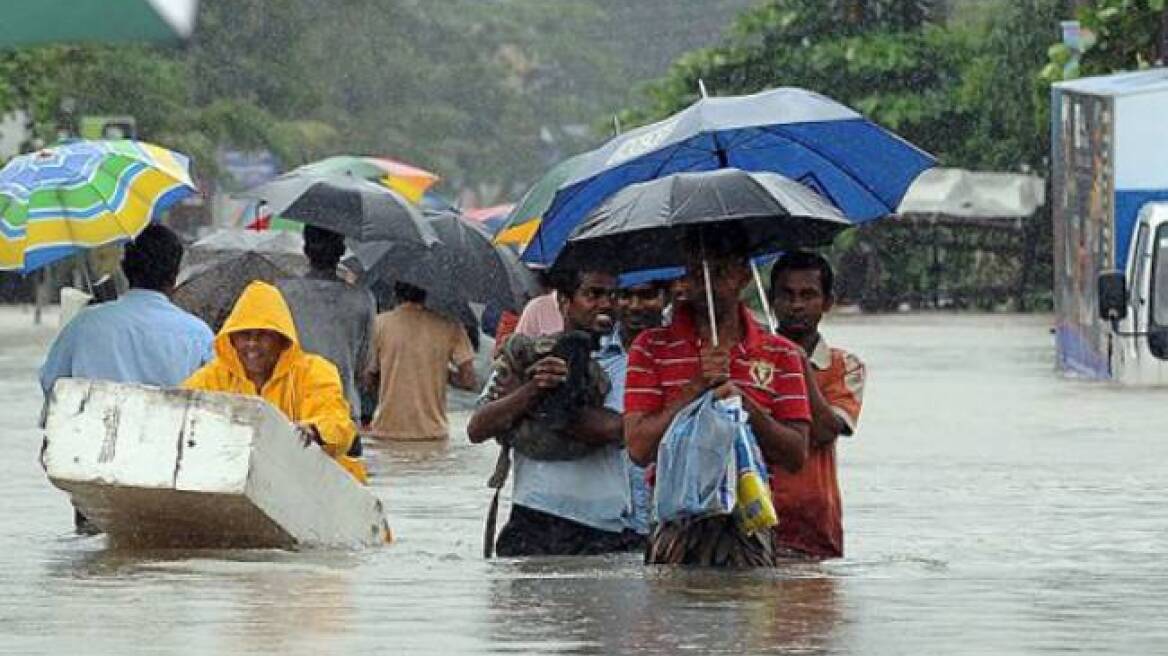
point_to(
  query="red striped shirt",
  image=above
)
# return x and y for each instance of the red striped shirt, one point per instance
(766, 367)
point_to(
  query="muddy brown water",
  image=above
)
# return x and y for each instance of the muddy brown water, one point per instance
(991, 507)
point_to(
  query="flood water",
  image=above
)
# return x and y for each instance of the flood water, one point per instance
(990, 508)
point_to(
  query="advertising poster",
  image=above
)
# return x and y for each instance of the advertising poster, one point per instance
(1084, 193)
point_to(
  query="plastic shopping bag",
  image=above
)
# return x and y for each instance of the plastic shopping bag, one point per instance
(696, 466)
(755, 509)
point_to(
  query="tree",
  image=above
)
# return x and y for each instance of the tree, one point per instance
(889, 60)
(1123, 35)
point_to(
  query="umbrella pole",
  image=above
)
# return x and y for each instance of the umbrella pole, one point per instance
(709, 290)
(762, 297)
(710, 301)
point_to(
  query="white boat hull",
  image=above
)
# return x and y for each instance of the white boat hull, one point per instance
(177, 468)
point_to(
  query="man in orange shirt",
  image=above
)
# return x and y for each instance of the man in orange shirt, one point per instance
(808, 501)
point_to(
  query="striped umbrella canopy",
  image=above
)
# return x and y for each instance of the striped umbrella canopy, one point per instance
(83, 194)
(406, 179)
(524, 220)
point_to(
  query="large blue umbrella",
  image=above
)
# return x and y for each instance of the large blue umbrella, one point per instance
(860, 167)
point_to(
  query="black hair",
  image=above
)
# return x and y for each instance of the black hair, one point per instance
(718, 241)
(566, 282)
(407, 293)
(324, 248)
(152, 259)
(804, 261)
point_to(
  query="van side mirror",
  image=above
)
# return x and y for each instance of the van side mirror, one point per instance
(1111, 290)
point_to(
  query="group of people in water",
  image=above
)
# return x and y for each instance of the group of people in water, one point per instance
(580, 395)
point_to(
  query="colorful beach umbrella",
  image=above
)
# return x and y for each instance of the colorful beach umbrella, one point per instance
(860, 167)
(406, 179)
(84, 194)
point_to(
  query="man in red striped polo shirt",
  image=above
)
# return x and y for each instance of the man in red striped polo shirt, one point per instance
(670, 367)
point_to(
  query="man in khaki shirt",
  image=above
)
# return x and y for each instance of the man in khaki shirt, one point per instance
(417, 352)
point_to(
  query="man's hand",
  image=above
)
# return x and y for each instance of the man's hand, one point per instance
(727, 390)
(825, 425)
(715, 366)
(549, 373)
(308, 434)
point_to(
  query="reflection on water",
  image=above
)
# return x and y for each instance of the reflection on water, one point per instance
(990, 507)
(657, 610)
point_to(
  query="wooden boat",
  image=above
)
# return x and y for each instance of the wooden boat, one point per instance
(178, 468)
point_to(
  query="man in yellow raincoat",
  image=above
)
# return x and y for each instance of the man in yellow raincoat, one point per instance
(257, 352)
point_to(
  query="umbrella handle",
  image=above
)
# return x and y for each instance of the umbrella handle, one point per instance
(762, 297)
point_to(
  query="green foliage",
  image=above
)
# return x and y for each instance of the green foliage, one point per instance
(886, 59)
(487, 93)
(1124, 35)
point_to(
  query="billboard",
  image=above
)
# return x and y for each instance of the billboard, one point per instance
(1084, 191)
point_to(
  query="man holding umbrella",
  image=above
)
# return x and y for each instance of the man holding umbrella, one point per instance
(670, 367)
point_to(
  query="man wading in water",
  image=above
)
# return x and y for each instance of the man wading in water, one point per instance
(808, 502)
(558, 412)
(670, 367)
(640, 306)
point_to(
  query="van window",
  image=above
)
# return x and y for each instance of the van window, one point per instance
(1158, 321)
(1135, 289)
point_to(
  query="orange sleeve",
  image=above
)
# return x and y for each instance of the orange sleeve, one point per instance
(842, 385)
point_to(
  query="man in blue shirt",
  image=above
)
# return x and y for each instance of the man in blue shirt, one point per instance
(141, 337)
(640, 304)
(575, 506)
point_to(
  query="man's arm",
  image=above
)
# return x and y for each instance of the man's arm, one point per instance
(59, 362)
(364, 354)
(597, 426)
(371, 367)
(644, 430)
(783, 443)
(826, 425)
(462, 355)
(464, 377)
(500, 414)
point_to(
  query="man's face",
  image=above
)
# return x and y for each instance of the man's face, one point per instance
(640, 307)
(258, 350)
(728, 277)
(799, 302)
(591, 308)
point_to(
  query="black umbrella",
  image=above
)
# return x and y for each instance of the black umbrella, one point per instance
(645, 226)
(464, 266)
(217, 268)
(356, 208)
(484, 272)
